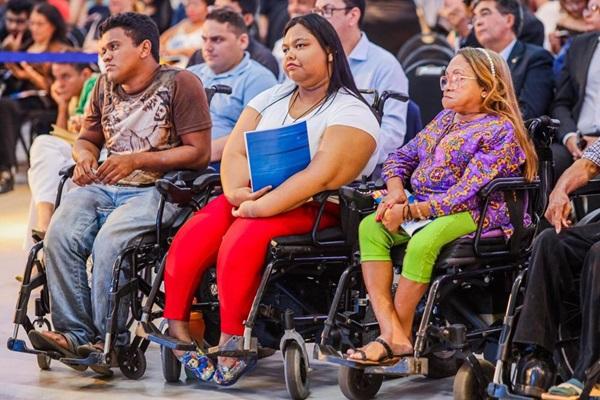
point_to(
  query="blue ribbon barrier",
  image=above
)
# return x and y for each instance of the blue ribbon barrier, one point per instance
(48, 57)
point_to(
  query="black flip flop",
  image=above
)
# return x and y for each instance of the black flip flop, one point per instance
(42, 342)
(388, 358)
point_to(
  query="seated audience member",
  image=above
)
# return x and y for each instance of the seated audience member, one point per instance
(570, 23)
(272, 20)
(547, 11)
(561, 256)
(90, 43)
(496, 24)
(48, 34)
(478, 136)
(15, 18)
(372, 68)
(51, 153)
(237, 227)
(151, 119)
(183, 39)
(159, 10)
(295, 8)
(458, 16)
(258, 52)
(225, 39)
(576, 103)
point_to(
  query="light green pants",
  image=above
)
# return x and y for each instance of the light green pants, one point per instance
(423, 247)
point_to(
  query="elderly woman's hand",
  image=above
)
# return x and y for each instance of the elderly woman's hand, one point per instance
(393, 217)
(392, 198)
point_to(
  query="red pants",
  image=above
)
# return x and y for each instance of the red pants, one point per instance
(238, 246)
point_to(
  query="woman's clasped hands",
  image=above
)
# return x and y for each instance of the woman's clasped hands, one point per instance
(244, 202)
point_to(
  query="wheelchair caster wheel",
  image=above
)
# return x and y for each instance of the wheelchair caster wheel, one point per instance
(171, 366)
(43, 362)
(296, 374)
(466, 386)
(356, 385)
(132, 363)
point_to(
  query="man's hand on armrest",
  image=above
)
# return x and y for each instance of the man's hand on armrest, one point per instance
(559, 204)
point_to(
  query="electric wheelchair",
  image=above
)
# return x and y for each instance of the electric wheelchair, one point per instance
(292, 301)
(461, 313)
(131, 279)
(567, 346)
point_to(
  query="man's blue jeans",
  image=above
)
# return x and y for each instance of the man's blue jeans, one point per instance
(101, 221)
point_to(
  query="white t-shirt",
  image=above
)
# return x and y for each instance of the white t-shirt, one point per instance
(341, 109)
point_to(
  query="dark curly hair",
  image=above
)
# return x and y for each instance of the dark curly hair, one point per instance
(136, 26)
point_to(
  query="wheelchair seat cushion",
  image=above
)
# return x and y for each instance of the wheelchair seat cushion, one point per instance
(326, 235)
(304, 245)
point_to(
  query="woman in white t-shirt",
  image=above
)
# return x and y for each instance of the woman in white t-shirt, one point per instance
(234, 230)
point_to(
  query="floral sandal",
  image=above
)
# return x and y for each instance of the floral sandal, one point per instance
(569, 390)
(227, 376)
(198, 364)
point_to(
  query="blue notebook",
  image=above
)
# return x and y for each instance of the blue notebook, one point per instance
(276, 154)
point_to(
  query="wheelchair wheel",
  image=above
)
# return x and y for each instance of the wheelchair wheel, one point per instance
(466, 386)
(443, 364)
(43, 362)
(296, 374)
(171, 366)
(132, 363)
(356, 385)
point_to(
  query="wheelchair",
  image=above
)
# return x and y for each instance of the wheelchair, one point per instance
(135, 264)
(567, 351)
(460, 315)
(292, 301)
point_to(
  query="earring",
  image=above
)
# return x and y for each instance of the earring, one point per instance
(330, 58)
(483, 95)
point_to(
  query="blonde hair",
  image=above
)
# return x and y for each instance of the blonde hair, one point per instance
(494, 77)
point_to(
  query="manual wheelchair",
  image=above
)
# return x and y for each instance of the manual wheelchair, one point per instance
(135, 265)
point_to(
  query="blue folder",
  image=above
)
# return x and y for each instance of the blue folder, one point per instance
(276, 154)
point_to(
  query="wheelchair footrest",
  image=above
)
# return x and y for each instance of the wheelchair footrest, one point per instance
(405, 367)
(20, 346)
(149, 332)
(235, 348)
(322, 352)
(500, 391)
(95, 358)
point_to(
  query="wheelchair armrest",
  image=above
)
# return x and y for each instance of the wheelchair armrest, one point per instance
(321, 199)
(185, 175)
(518, 186)
(505, 184)
(67, 171)
(591, 188)
(206, 181)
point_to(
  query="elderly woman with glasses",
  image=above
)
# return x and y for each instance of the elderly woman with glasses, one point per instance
(478, 136)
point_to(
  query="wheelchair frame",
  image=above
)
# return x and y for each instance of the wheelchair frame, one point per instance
(176, 187)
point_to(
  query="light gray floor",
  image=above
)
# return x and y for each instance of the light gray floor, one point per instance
(20, 377)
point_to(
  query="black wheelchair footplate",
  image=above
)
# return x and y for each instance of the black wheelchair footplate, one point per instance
(501, 391)
(323, 352)
(149, 332)
(405, 366)
(235, 348)
(20, 346)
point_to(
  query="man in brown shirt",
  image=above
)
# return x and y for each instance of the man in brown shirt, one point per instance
(151, 119)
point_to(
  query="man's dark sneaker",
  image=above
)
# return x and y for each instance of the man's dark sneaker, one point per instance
(535, 374)
(7, 181)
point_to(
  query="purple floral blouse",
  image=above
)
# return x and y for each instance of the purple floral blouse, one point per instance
(448, 162)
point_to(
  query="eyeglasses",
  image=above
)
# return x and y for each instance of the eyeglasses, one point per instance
(591, 9)
(327, 11)
(456, 79)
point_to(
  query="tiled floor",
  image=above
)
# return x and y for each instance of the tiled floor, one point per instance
(20, 377)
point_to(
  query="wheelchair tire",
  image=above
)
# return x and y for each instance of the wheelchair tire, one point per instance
(466, 386)
(443, 364)
(43, 362)
(356, 385)
(171, 366)
(132, 363)
(296, 374)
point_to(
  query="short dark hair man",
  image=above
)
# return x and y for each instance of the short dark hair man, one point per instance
(151, 119)
(496, 24)
(225, 39)
(15, 29)
(258, 52)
